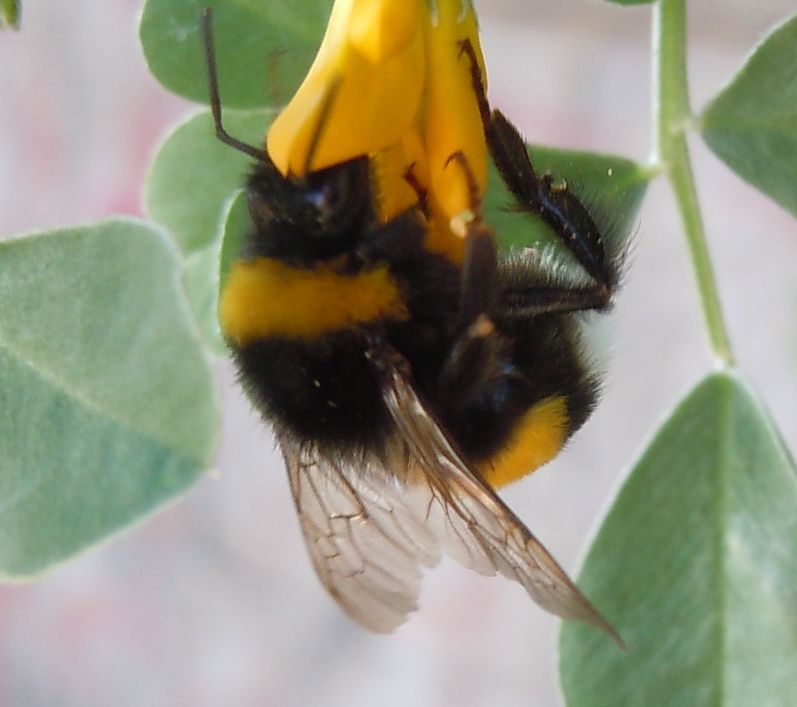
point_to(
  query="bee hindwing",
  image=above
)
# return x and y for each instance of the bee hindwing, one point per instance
(365, 537)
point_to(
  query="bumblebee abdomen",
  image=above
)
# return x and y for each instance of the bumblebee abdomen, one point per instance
(298, 338)
(323, 390)
(513, 391)
(536, 437)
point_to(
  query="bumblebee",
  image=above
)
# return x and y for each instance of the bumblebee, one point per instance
(402, 386)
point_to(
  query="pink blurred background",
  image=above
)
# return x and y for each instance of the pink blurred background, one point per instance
(214, 600)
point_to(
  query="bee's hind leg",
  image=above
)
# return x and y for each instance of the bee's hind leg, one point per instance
(549, 199)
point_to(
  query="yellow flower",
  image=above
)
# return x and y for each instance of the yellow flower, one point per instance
(390, 82)
(365, 85)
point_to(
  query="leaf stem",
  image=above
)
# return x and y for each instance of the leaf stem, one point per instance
(673, 116)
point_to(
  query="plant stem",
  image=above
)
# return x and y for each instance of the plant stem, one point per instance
(672, 118)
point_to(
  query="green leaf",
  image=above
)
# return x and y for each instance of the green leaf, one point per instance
(263, 49)
(752, 123)
(696, 566)
(231, 237)
(611, 187)
(200, 278)
(206, 270)
(194, 174)
(193, 180)
(10, 13)
(235, 228)
(108, 407)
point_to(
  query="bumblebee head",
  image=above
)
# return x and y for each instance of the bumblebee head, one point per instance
(300, 220)
(304, 220)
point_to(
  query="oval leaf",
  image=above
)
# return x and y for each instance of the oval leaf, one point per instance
(200, 277)
(193, 180)
(206, 269)
(263, 49)
(696, 565)
(235, 228)
(9, 13)
(108, 403)
(752, 124)
(194, 174)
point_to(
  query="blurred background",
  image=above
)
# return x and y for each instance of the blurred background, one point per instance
(213, 601)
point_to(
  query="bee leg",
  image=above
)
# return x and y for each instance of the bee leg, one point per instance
(533, 300)
(477, 373)
(478, 272)
(480, 266)
(554, 203)
(475, 361)
(480, 389)
(418, 188)
(466, 49)
(551, 200)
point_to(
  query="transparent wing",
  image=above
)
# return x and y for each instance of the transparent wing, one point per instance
(365, 532)
(475, 527)
(370, 523)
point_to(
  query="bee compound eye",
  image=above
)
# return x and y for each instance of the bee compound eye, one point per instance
(340, 199)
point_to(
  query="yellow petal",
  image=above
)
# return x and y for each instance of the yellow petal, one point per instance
(448, 122)
(452, 119)
(397, 173)
(379, 30)
(362, 91)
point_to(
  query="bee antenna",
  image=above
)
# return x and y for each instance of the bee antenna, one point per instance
(326, 108)
(215, 101)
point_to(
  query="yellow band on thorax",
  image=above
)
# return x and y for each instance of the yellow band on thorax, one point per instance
(266, 297)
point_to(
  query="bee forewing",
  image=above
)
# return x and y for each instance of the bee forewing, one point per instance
(479, 529)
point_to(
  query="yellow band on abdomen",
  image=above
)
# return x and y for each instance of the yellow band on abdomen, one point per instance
(536, 440)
